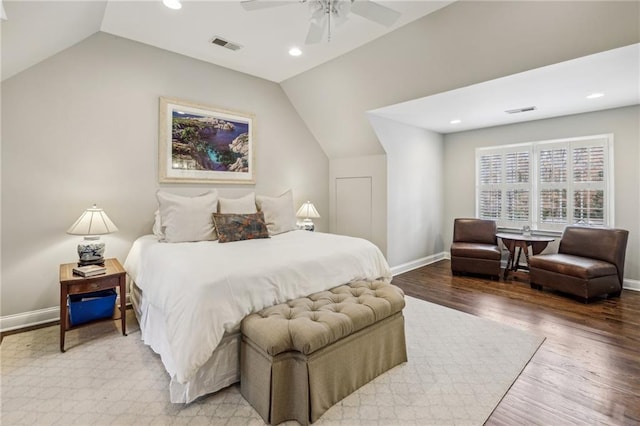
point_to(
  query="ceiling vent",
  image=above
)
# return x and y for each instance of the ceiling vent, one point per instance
(218, 41)
(519, 110)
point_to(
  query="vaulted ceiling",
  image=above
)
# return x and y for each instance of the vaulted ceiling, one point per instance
(440, 61)
(37, 29)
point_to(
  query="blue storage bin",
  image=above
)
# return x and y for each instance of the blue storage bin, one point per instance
(91, 306)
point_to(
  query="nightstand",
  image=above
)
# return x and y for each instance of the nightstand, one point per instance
(75, 284)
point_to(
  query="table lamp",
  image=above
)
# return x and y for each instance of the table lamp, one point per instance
(308, 212)
(91, 224)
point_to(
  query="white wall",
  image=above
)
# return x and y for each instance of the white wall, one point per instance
(82, 127)
(414, 190)
(624, 123)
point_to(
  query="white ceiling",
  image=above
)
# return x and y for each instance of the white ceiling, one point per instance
(36, 30)
(266, 35)
(554, 90)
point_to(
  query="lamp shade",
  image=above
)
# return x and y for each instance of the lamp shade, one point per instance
(308, 211)
(94, 221)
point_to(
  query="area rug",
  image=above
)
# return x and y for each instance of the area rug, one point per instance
(460, 366)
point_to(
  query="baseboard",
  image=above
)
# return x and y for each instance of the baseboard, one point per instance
(418, 263)
(29, 319)
(629, 284)
(34, 318)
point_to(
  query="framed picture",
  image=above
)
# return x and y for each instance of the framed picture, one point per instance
(202, 144)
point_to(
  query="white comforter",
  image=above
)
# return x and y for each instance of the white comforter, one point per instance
(206, 288)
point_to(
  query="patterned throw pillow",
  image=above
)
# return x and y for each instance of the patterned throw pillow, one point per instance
(237, 227)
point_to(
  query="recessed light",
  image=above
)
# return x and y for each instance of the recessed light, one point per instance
(456, 121)
(294, 51)
(172, 4)
(595, 95)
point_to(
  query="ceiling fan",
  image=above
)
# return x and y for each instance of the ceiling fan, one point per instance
(328, 13)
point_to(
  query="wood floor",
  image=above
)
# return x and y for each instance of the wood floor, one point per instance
(587, 371)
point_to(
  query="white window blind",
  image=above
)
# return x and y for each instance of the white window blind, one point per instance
(589, 185)
(552, 183)
(546, 185)
(517, 186)
(504, 185)
(490, 177)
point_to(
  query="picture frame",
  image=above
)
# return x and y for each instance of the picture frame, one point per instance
(204, 144)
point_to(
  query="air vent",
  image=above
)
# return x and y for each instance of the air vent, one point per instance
(519, 110)
(218, 41)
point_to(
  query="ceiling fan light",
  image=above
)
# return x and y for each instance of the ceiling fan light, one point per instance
(172, 4)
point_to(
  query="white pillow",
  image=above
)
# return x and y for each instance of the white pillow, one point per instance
(279, 213)
(242, 205)
(157, 226)
(187, 218)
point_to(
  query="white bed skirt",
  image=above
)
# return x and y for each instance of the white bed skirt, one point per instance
(222, 369)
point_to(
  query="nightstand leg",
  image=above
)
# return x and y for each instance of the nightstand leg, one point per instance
(63, 316)
(123, 304)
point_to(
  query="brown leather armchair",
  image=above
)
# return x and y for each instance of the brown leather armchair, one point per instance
(589, 263)
(475, 247)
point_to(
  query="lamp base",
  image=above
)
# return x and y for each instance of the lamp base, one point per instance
(99, 262)
(307, 225)
(91, 252)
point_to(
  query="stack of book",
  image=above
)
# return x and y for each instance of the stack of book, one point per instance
(89, 270)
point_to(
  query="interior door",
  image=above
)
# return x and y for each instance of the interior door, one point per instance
(354, 206)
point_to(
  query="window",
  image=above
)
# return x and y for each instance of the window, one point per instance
(546, 185)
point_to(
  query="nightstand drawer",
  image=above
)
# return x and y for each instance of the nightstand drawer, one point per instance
(96, 284)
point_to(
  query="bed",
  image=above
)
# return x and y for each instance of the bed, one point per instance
(190, 298)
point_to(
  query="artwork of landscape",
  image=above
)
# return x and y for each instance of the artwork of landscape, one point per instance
(208, 143)
(204, 144)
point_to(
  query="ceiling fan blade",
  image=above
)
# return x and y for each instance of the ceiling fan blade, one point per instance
(316, 31)
(257, 4)
(317, 14)
(375, 12)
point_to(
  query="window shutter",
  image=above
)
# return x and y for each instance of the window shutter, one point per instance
(490, 204)
(588, 164)
(517, 167)
(489, 194)
(553, 165)
(552, 200)
(517, 205)
(553, 205)
(588, 177)
(517, 171)
(588, 207)
(490, 169)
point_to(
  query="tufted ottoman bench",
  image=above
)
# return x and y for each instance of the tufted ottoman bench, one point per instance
(299, 358)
